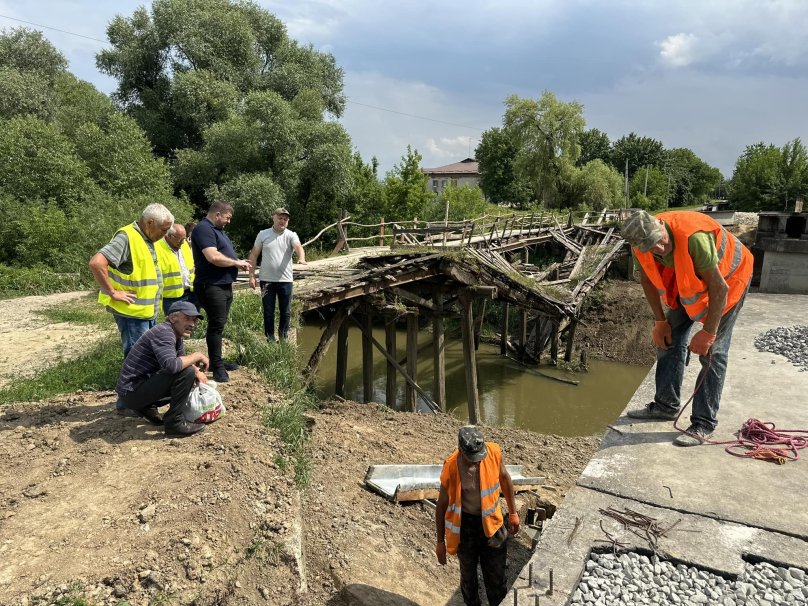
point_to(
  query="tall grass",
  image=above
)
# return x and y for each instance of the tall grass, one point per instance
(281, 366)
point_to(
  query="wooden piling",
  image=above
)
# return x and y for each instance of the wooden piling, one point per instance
(390, 345)
(570, 340)
(342, 360)
(503, 336)
(478, 325)
(412, 360)
(470, 359)
(523, 331)
(439, 355)
(554, 343)
(328, 336)
(367, 358)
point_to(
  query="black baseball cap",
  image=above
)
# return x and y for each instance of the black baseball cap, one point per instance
(471, 443)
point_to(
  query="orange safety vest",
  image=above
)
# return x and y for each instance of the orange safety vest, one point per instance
(491, 512)
(680, 283)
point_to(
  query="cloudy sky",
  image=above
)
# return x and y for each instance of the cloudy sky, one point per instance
(713, 76)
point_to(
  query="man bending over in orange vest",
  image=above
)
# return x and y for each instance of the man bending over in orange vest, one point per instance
(468, 517)
(702, 273)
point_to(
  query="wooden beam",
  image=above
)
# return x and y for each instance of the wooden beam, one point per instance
(342, 360)
(470, 360)
(327, 337)
(523, 321)
(424, 396)
(390, 342)
(367, 358)
(413, 298)
(439, 355)
(412, 361)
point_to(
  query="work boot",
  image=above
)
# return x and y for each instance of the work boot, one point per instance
(220, 375)
(183, 428)
(695, 435)
(231, 365)
(654, 412)
(127, 413)
(152, 415)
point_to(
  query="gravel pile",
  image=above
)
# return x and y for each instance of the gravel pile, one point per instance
(790, 342)
(746, 218)
(630, 578)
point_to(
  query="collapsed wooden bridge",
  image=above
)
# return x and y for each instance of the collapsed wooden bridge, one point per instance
(446, 270)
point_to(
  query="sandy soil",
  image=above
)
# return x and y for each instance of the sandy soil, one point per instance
(31, 342)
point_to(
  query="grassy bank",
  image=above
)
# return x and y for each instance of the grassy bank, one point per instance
(279, 364)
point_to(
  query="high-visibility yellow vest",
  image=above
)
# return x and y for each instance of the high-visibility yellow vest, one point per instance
(680, 284)
(170, 268)
(145, 280)
(491, 512)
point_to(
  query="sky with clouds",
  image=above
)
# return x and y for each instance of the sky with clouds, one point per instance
(713, 76)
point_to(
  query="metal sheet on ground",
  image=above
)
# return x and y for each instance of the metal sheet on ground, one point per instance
(416, 482)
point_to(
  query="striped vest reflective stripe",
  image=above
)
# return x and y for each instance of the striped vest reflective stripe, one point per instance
(680, 284)
(170, 268)
(145, 280)
(491, 512)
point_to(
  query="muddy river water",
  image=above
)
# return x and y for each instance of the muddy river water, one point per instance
(511, 395)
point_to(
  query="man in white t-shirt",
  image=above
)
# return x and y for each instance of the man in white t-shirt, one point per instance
(275, 245)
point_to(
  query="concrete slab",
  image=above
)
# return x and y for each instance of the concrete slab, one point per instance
(639, 462)
(730, 507)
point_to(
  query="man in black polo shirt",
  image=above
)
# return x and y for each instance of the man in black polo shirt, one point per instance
(217, 266)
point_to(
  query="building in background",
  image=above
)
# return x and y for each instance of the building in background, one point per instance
(465, 173)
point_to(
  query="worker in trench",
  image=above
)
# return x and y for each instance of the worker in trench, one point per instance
(468, 517)
(702, 273)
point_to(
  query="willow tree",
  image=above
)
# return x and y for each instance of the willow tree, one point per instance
(546, 133)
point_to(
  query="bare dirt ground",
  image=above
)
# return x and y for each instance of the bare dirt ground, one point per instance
(31, 342)
(106, 508)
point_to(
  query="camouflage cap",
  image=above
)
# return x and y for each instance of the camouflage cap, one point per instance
(641, 230)
(471, 443)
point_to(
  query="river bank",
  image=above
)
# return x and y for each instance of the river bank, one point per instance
(105, 510)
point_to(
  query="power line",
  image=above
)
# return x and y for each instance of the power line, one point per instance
(383, 109)
(56, 29)
(392, 111)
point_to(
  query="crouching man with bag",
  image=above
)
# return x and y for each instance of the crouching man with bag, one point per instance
(157, 368)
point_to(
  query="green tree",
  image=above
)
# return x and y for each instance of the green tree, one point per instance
(648, 188)
(365, 201)
(595, 145)
(405, 192)
(769, 178)
(464, 203)
(639, 151)
(598, 184)
(189, 63)
(546, 133)
(496, 155)
(692, 179)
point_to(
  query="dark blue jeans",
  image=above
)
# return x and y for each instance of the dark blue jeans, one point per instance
(671, 366)
(215, 299)
(283, 291)
(131, 330)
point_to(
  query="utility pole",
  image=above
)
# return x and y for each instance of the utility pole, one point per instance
(645, 189)
(626, 188)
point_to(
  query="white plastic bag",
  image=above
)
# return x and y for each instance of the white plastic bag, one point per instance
(204, 404)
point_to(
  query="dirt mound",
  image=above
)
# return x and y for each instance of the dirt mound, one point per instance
(105, 507)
